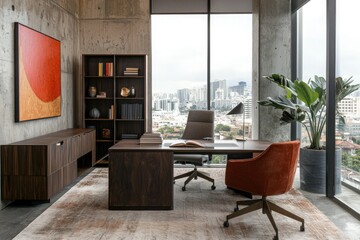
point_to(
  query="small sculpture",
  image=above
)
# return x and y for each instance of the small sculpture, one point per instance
(92, 91)
(124, 92)
(132, 92)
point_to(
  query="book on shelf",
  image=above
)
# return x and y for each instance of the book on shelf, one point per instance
(105, 69)
(131, 71)
(131, 111)
(154, 138)
(111, 112)
(100, 69)
(187, 143)
(109, 70)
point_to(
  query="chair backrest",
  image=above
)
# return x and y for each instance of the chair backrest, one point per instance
(277, 167)
(200, 124)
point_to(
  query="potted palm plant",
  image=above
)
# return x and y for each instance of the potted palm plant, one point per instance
(306, 103)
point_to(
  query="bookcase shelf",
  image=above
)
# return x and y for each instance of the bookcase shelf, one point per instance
(123, 76)
(119, 117)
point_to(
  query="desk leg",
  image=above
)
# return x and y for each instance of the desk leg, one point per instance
(141, 180)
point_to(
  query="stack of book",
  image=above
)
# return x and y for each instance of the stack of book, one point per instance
(153, 138)
(131, 71)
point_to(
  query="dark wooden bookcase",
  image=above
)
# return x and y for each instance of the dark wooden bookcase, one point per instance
(129, 113)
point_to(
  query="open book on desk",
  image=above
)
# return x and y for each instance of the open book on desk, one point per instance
(187, 143)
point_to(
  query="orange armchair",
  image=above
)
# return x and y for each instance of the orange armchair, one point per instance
(270, 173)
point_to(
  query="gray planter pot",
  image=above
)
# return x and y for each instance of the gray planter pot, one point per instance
(313, 170)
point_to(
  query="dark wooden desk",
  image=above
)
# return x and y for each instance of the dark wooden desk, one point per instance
(141, 176)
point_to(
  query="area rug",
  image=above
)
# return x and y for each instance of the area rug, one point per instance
(199, 213)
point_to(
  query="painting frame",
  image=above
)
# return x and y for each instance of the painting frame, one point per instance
(37, 74)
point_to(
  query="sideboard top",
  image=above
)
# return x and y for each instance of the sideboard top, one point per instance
(53, 137)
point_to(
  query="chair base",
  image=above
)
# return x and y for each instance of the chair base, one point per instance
(194, 174)
(243, 193)
(266, 207)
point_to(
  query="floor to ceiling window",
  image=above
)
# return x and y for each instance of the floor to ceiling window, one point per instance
(230, 73)
(179, 71)
(313, 55)
(312, 19)
(347, 66)
(314, 39)
(201, 59)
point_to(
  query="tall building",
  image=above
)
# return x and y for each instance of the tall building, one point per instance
(183, 96)
(218, 85)
(240, 88)
(350, 106)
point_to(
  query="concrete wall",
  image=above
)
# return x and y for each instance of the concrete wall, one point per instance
(271, 54)
(113, 27)
(58, 19)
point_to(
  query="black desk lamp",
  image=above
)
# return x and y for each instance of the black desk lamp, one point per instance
(239, 109)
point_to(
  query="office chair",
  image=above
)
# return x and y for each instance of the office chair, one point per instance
(200, 125)
(270, 173)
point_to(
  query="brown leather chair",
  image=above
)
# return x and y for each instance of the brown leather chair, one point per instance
(199, 126)
(270, 173)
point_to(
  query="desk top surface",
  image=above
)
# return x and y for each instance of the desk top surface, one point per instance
(219, 146)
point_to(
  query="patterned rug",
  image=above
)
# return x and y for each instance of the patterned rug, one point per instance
(198, 213)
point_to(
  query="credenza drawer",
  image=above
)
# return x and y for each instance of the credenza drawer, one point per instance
(36, 169)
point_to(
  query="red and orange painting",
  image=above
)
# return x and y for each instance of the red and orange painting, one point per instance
(37, 75)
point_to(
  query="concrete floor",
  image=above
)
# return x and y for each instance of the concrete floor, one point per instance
(341, 218)
(15, 217)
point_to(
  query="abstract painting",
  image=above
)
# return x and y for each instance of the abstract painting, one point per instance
(37, 75)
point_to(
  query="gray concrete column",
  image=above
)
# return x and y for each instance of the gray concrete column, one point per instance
(272, 54)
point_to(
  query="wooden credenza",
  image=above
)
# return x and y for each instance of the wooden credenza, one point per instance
(37, 168)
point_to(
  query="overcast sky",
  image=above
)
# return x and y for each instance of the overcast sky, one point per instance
(348, 39)
(179, 46)
(179, 50)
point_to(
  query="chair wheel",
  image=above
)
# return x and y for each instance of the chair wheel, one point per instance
(213, 187)
(236, 209)
(226, 224)
(302, 228)
(183, 188)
